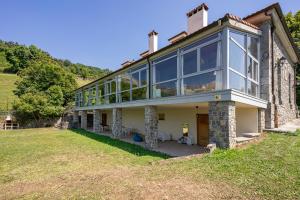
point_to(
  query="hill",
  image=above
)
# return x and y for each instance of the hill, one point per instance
(15, 57)
(7, 85)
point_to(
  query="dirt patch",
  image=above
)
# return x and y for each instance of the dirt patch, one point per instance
(121, 183)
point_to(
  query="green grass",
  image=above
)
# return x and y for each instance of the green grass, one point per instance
(7, 85)
(55, 164)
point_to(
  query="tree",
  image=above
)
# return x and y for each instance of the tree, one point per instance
(44, 90)
(293, 23)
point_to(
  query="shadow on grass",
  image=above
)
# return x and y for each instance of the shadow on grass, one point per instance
(130, 148)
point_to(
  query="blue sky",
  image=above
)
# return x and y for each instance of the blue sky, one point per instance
(106, 33)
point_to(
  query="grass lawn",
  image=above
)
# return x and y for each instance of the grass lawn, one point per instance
(52, 164)
(7, 85)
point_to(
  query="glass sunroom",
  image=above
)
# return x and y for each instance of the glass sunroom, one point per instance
(227, 59)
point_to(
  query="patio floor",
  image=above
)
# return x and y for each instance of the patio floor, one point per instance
(291, 126)
(171, 148)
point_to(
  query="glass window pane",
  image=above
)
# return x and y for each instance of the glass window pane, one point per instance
(236, 81)
(252, 88)
(101, 90)
(252, 69)
(125, 82)
(140, 93)
(208, 56)
(252, 44)
(113, 87)
(112, 98)
(166, 70)
(135, 80)
(190, 62)
(239, 38)
(165, 89)
(237, 58)
(143, 77)
(101, 100)
(125, 96)
(212, 37)
(199, 83)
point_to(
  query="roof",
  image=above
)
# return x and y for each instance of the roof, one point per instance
(183, 34)
(277, 7)
(236, 18)
(209, 26)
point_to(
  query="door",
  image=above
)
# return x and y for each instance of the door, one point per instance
(202, 129)
(104, 119)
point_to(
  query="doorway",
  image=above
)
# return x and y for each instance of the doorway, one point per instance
(104, 119)
(202, 129)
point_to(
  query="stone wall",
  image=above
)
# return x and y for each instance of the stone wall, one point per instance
(96, 120)
(284, 84)
(75, 122)
(83, 119)
(151, 127)
(282, 103)
(261, 120)
(222, 123)
(117, 122)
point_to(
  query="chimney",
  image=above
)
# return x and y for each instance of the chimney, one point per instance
(197, 18)
(153, 39)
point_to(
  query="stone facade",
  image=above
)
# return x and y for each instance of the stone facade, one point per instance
(261, 120)
(222, 123)
(96, 120)
(285, 102)
(117, 122)
(281, 99)
(83, 123)
(75, 122)
(151, 127)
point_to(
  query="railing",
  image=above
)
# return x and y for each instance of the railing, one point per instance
(11, 126)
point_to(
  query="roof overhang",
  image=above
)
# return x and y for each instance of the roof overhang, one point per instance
(274, 13)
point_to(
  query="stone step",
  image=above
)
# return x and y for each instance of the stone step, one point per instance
(251, 135)
(242, 139)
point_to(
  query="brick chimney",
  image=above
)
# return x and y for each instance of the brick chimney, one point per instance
(153, 41)
(197, 18)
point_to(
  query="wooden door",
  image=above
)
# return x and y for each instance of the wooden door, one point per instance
(202, 129)
(104, 119)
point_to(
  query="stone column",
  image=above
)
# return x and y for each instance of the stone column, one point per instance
(270, 116)
(117, 122)
(151, 127)
(261, 120)
(222, 124)
(96, 121)
(84, 119)
(75, 122)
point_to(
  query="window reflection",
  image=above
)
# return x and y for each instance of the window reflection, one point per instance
(208, 57)
(199, 83)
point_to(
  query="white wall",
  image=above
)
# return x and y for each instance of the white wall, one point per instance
(174, 120)
(246, 120)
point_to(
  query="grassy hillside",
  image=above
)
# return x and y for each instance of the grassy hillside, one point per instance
(7, 85)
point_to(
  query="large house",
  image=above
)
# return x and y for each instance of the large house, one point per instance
(212, 83)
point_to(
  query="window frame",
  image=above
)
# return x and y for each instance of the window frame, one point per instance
(248, 54)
